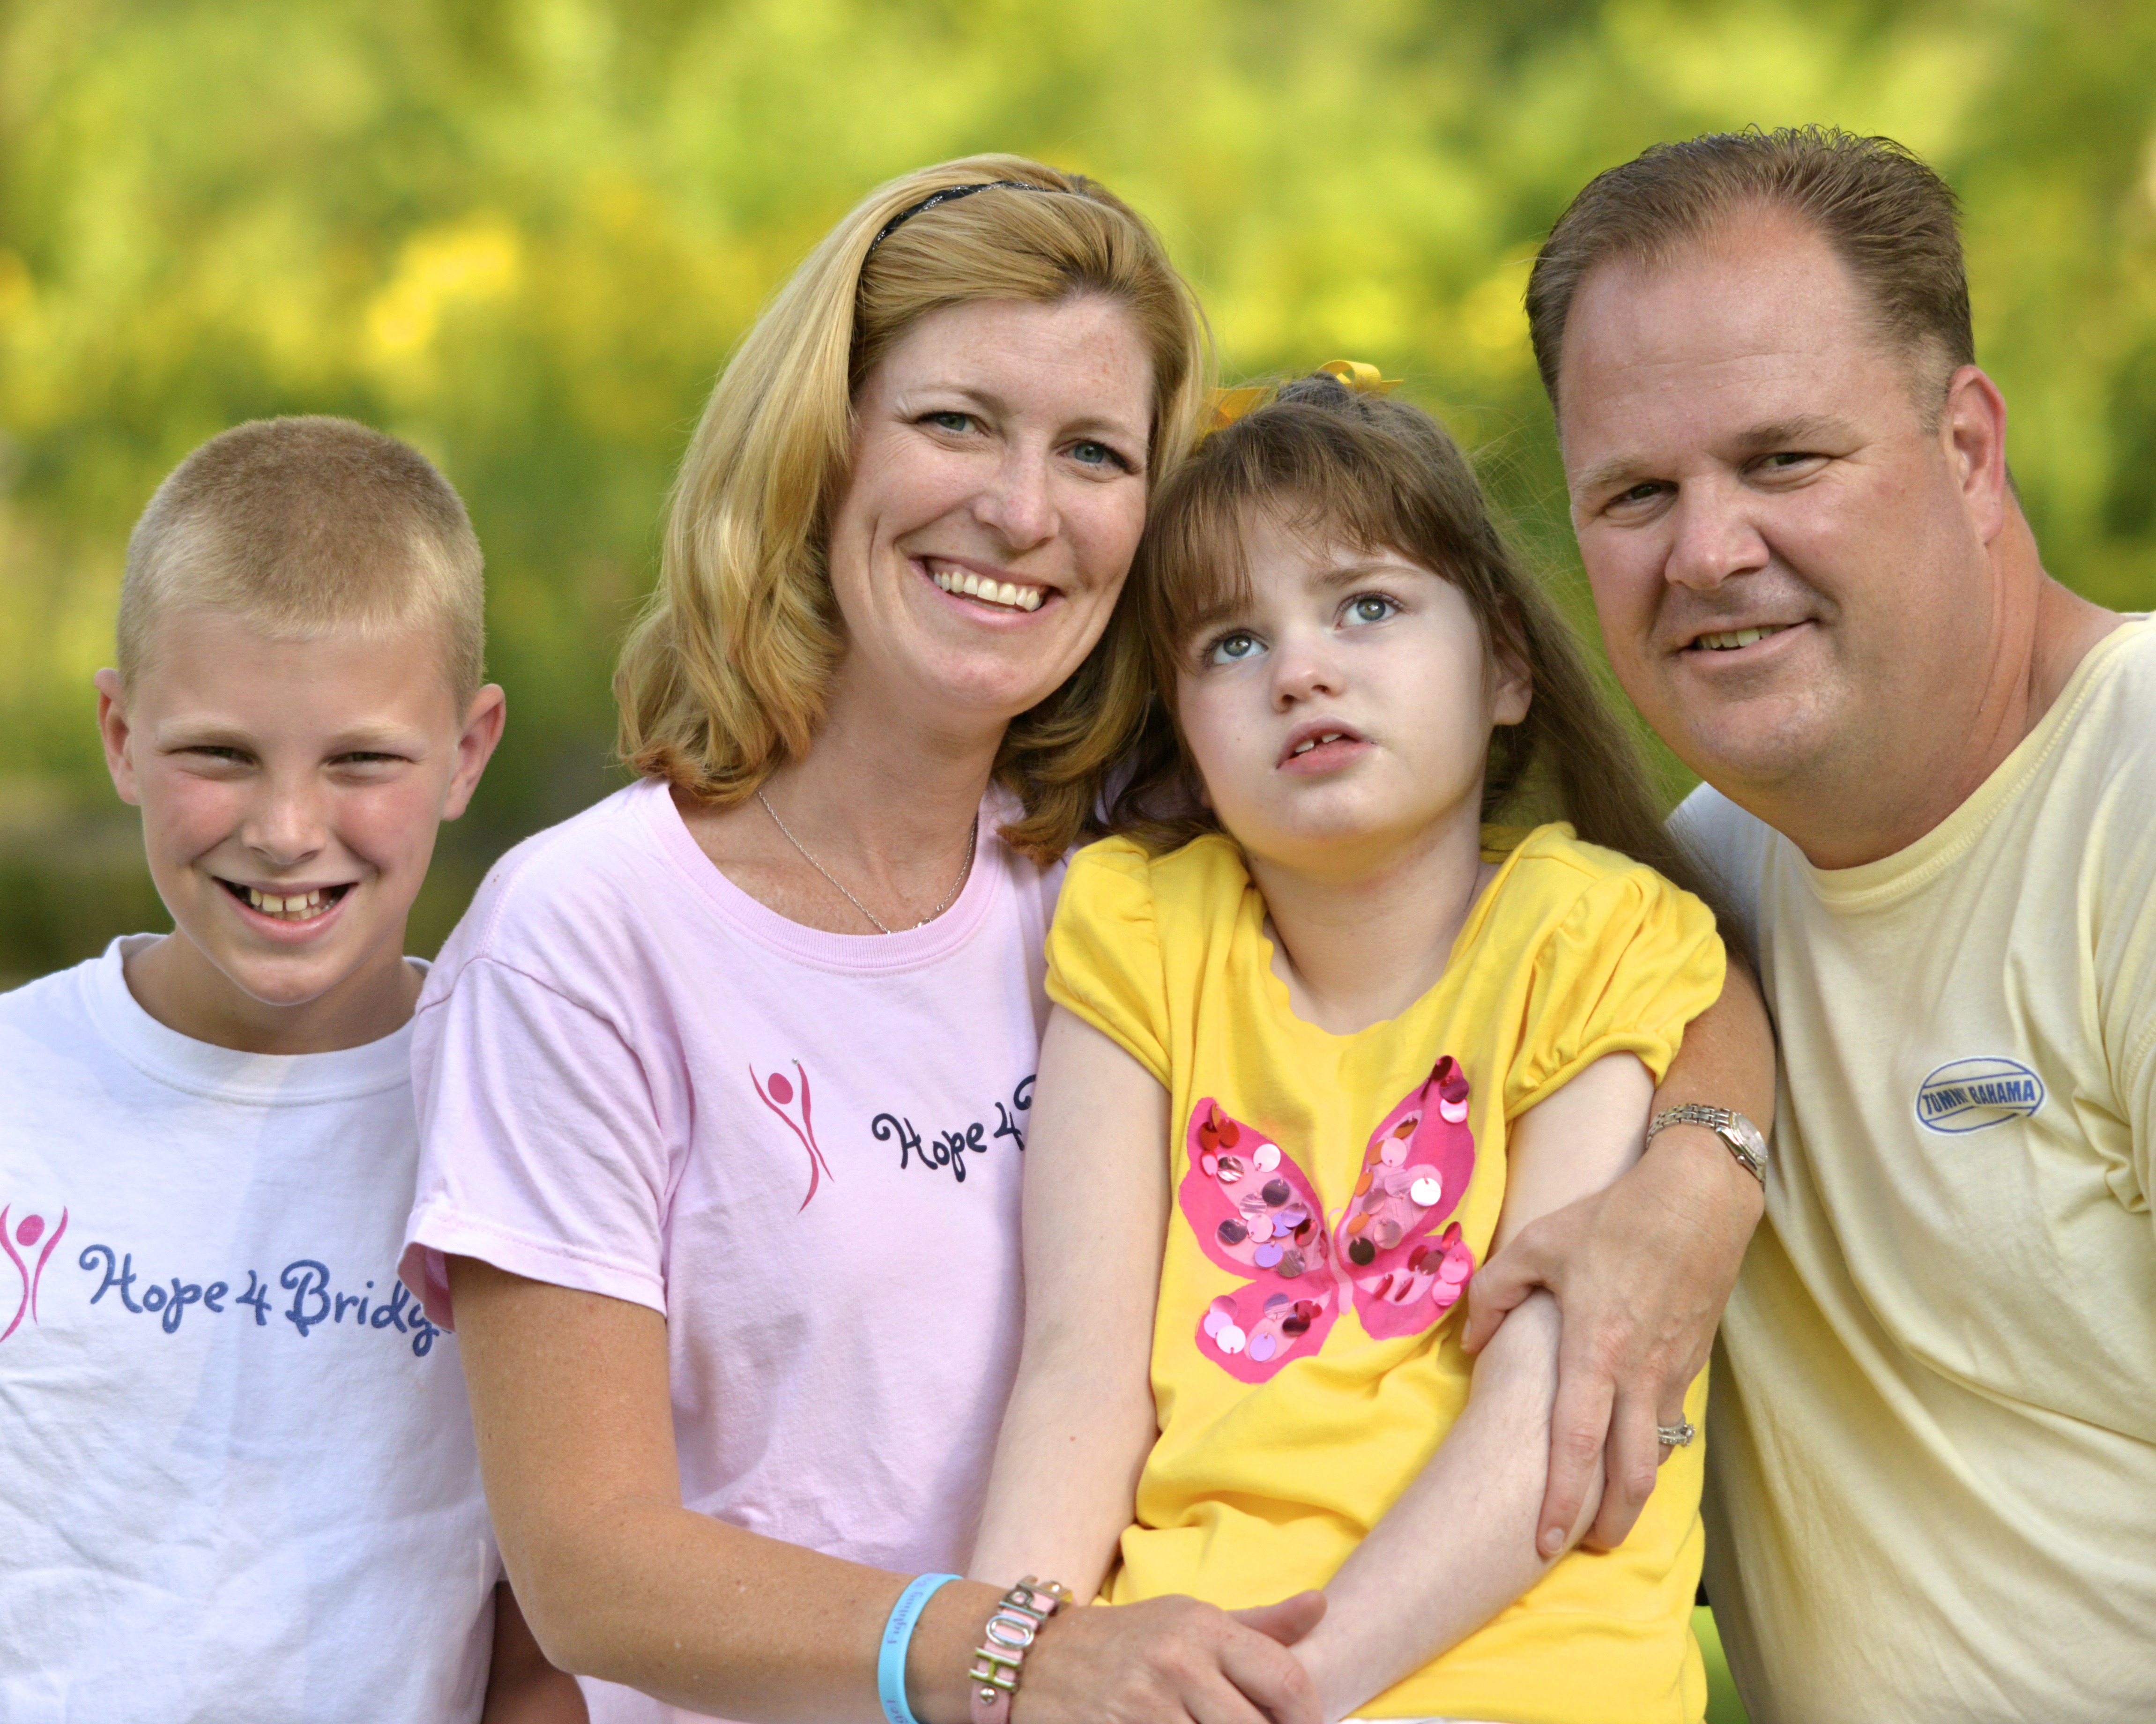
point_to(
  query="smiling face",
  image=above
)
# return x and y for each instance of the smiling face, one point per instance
(1342, 715)
(290, 790)
(994, 500)
(1788, 563)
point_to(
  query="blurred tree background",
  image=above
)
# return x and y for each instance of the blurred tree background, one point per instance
(523, 234)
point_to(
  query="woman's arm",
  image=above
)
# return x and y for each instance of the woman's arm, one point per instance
(522, 1687)
(1641, 1271)
(618, 1580)
(1461, 1544)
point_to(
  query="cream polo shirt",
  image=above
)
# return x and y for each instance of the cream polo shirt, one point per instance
(1932, 1490)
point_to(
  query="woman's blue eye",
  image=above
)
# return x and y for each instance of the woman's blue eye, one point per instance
(949, 421)
(1370, 607)
(1232, 648)
(1089, 453)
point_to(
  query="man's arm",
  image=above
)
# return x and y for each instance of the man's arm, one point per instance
(1641, 1272)
(1461, 1544)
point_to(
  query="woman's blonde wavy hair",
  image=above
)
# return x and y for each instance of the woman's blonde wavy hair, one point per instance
(723, 677)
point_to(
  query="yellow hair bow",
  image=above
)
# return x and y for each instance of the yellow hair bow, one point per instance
(1362, 379)
(1226, 406)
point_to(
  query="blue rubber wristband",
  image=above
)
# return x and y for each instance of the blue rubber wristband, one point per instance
(897, 1636)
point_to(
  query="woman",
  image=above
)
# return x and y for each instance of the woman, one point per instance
(724, 1082)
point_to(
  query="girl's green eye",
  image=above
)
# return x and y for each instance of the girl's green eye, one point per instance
(1370, 607)
(1232, 648)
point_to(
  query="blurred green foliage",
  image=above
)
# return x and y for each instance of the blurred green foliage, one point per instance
(524, 233)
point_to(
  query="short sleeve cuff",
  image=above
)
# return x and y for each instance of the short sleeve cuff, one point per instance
(438, 1232)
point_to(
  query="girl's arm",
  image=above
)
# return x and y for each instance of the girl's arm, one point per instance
(1642, 1271)
(1461, 1544)
(618, 1580)
(1080, 1421)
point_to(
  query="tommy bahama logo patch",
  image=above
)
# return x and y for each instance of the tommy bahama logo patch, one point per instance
(1969, 1094)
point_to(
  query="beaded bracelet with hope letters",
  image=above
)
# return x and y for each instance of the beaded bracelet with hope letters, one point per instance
(1004, 1643)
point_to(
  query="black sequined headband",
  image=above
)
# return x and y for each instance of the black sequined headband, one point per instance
(951, 194)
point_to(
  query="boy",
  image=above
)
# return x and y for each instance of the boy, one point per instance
(240, 1482)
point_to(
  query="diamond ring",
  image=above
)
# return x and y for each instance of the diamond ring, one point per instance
(1675, 1436)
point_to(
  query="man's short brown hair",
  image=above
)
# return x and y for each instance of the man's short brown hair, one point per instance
(1893, 222)
(305, 525)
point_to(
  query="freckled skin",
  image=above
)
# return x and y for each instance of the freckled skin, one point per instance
(269, 762)
(1013, 437)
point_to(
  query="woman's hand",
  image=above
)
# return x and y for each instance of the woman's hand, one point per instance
(1172, 1661)
(1641, 1272)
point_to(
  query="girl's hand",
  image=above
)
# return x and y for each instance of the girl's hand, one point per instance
(1172, 1661)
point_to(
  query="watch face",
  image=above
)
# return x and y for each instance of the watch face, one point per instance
(1751, 1136)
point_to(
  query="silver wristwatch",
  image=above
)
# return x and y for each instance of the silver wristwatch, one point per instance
(1745, 1140)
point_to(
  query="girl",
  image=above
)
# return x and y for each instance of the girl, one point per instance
(1335, 1038)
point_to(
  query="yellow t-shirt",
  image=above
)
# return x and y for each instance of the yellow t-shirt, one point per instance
(1933, 1491)
(1332, 1192)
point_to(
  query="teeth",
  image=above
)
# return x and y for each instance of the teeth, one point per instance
(299, 906)
(1006, 593)
(1737, 638)
(1304, 747)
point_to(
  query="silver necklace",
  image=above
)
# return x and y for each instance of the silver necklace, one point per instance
(965, 868)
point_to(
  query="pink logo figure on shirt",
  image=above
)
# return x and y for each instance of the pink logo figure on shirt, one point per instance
(1257, 1216)
(26, 1233)
(776, 1092)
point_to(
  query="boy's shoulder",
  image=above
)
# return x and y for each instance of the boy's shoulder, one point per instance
(78, 1039)
(54, 1007)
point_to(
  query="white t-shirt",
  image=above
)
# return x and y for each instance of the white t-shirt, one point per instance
(802, 1148)
(1931, 1453)
(238, 1479)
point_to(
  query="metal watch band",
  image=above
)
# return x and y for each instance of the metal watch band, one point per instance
(1744, 1140)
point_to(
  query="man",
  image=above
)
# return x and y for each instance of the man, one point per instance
(1930, 789)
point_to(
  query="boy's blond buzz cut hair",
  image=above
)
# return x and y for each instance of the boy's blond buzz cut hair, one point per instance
(303, 525)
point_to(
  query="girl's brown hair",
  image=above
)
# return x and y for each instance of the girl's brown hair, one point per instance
(723, 677)
(1324, 461)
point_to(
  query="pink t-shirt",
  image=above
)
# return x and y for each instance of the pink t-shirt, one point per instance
(801, 1147)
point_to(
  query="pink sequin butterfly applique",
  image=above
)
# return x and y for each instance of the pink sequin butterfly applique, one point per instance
(1257, 1216)
(1414, 1173)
